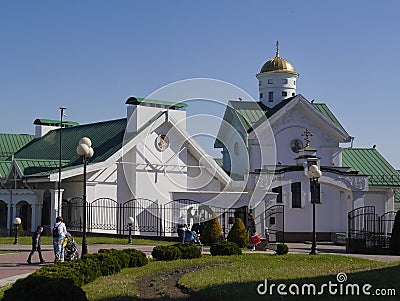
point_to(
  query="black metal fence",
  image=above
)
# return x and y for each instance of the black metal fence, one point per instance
(368, 232)
(151, 218)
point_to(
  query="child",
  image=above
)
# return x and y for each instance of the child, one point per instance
(36, 245)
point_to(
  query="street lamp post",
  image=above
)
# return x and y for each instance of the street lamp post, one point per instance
(85, 151)
(17, 222)
(130, 221)
(314, 174)
(62, 109)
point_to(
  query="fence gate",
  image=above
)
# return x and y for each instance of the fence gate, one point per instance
(173, 210)
(72, 212)
(103, 215)
(146, 216)
(368, 232)
(275, 222)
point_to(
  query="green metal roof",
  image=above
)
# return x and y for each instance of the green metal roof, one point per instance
(368, 161)
(51, 122)
(138, 101)
(42, 154)
(323, 108)
(251, 112)
(4, 168)
(30, 166)
(397, 195)
(40, 157)
(11, 143)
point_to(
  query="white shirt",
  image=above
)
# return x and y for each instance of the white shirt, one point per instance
(61, 228)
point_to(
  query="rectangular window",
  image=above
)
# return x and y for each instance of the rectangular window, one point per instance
(316, 194)
(270, 96)
(270, 81)
(296, 195)
(284, 81)
(284, 93)
(278, 190)
(261, 95)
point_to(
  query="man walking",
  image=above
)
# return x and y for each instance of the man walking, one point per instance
(36, 245)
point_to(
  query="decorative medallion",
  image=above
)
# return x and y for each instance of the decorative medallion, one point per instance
(296, 145)
(162, 142)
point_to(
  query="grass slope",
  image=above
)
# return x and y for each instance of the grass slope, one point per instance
(239, 276)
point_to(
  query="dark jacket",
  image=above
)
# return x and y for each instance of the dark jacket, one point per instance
(36, 239)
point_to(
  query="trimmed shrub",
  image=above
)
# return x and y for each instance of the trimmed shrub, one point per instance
(63, 281)
(166, 253)
(79, 272)
(108, 264)
(395, 239)
(121, 257)
(282, 249)
(212, 231)
(188, 250)
(38, 288)
(225, 248)
(136, 258)
(238, 233)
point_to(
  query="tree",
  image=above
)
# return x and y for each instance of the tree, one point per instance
(211, 232)
(395, 239)
(238, 233)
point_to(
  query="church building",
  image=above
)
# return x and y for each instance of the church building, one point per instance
(147, 166)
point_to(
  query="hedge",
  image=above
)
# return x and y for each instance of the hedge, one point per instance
(63, 281)
(177, 251)
(188, 250)
(167, 253)
(282, 249)
(225, 248)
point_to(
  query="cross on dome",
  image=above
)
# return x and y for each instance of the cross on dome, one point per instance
(307, 135)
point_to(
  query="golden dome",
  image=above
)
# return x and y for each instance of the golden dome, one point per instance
(278, 64)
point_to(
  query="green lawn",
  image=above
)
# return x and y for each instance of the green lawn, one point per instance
(47, 240)
(237, 277)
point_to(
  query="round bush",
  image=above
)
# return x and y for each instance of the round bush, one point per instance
(166, 253)
(282, 249)
(188, 250)
(108, 263)
(225, 248)
(238, 234)
(121, 257)
(39, 288)
(136, 258)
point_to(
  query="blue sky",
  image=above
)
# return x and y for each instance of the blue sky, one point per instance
(90, 56)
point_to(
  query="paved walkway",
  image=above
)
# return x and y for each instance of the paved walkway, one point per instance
(14, 266)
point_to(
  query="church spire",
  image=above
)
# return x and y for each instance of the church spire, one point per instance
(277, 49)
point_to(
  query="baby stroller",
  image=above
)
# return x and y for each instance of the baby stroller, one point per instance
(193, 237)
(70, 248)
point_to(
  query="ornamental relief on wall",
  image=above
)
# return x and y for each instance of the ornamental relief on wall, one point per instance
(356, 182)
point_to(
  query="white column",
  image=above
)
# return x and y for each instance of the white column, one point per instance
(54, 204)
(389, 201)
(37, 208)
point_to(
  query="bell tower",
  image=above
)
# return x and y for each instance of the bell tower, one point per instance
(277, 80)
